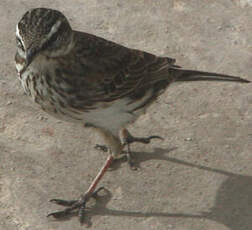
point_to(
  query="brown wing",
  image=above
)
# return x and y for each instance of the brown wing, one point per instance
(105, 71)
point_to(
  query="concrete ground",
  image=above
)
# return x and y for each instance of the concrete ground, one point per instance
(198, 178)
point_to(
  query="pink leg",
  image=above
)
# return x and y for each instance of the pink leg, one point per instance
(99, 176)
(81, 203)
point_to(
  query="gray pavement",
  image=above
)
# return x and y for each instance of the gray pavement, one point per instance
(198, 178)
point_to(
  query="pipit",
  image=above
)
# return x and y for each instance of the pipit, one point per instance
(79, 77)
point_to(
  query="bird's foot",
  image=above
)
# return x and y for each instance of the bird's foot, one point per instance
(128, 139)
(73, 206)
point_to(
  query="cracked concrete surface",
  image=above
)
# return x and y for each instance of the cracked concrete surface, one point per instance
(199, 178)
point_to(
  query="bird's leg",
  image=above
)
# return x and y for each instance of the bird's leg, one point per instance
(109, 138)
(129, 139)
(80, 204)
(115, 148)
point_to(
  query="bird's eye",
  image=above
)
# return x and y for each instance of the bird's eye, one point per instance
(19, 43)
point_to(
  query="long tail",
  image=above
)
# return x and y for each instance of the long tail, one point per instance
(194, 75)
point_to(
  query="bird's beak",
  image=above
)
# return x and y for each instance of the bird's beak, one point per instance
(30, 55)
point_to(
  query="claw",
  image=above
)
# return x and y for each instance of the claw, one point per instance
(66, 203)
(95, 194)
(147, 140)
(81, 214)
(80, 205)
(129, 139)
(59, 214)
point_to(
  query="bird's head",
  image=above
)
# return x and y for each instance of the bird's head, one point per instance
(42, 31)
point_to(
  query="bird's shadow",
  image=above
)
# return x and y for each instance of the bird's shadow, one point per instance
(232, 207)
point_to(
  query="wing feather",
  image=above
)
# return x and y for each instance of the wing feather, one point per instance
(106, 71)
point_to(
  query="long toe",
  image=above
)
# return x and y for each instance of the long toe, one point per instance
(67, 212)
(73, 206)
(147, 140)
(67, 203)
(128, 138)
(60, 214)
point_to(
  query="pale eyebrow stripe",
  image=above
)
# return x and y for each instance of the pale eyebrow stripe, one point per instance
(18, 35)
(17, 32)
(52, 31)
(54, 28)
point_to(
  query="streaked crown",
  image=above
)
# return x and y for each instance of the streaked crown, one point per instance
(42, 30)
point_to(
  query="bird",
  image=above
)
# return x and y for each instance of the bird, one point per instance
(82, 78)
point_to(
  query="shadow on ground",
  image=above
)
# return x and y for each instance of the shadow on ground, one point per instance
(233, 203)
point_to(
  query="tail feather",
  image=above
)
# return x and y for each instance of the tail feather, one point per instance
(194, 75)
